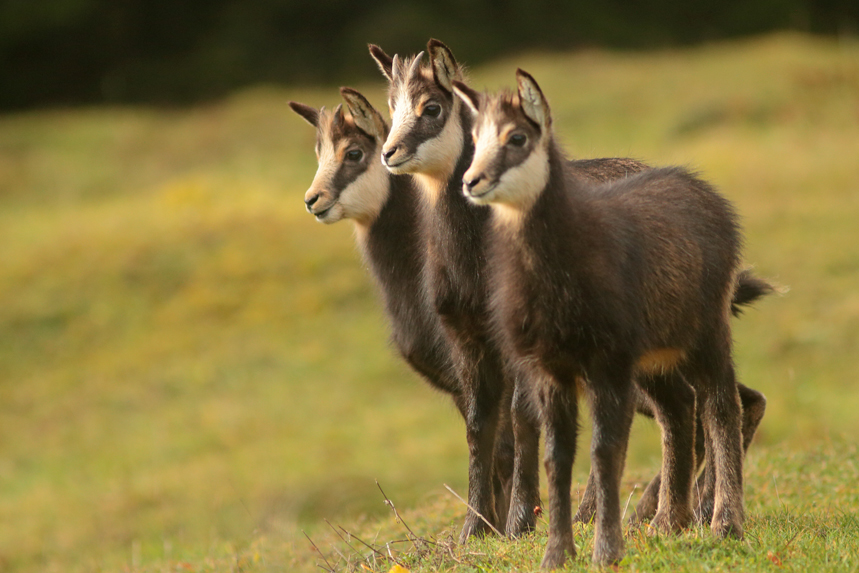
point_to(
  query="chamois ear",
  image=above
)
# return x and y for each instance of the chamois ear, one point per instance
(365, 115)
(444, 66)
(310, 115)
(383, 60)
(531, 99)
(469, 96)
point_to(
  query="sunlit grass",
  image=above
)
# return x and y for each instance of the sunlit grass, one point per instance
(192, 369)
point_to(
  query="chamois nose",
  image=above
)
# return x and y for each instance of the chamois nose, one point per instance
(386, 155)
(310, 199)
(472, 182)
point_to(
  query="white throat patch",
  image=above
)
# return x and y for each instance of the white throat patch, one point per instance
(364, 198)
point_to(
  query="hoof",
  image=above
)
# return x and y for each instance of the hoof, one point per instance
(645, 509)
(521, 520)
(665, 523)
(558, 551)
(608, 556)
(474, 527)
(727, 526)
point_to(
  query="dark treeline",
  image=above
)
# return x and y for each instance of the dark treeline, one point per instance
(179, 51)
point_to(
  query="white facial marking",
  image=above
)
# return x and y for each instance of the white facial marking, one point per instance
(518, 187)
(435, 158)
(361, 200)
(402, 122)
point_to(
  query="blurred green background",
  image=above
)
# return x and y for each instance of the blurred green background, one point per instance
(189, 361)
(180, 51)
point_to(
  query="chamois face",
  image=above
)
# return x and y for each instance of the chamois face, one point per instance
(426, 135)
(350, 183)
(511, 135)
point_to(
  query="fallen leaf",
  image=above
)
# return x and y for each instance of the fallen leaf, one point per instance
(774, 558)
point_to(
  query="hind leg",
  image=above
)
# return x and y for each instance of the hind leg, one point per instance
(649, 502)
(504, 460)
(754, 406)
(673, 401)
(721, 417)
(613, 408)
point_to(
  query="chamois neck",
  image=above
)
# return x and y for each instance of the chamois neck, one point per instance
(390, 243)
(365, 224)
(548, 181)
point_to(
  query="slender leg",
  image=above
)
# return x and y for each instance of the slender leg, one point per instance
(721, 418)
(754, 406)
(646, 508)
(588, 505)
(525, 495)
(505, 452)
(674, 404)
(560, 413)
(483, 384)
(612, 414)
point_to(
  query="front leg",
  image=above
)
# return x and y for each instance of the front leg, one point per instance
(483, 391)
(560, 412)
(612, 416)
(525, 495)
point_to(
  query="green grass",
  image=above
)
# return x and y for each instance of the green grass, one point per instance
(192, 370)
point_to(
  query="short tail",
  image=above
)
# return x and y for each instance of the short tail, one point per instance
(749, 288)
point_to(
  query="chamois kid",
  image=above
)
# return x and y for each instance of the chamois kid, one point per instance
(601, 287)
(351, 183)
(427, 141)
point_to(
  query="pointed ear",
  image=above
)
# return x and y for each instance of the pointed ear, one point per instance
(444, 66)
(532, 100)
(469, 96)
(383, 60)
(310, 115)
(365, 115)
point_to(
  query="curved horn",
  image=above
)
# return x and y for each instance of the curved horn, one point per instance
(338, 114)
(416, 65)
(395, 68)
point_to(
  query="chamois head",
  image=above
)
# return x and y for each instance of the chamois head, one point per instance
(426, 135)
(512, 134)
(349, 183)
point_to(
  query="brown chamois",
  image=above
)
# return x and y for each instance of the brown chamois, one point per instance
(351, 183)
(431, 145)
(631, 281)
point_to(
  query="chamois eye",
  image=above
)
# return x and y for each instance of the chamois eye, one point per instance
(432, 110)
(354, 155)
(518, 139)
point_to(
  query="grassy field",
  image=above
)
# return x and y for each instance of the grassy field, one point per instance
(192, 370)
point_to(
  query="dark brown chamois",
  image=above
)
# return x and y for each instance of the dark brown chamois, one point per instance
(351, 183)
(430, 145)
(600, 288)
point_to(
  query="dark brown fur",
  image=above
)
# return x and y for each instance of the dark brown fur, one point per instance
(453, 231)
(592, 284)
(456, 219)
